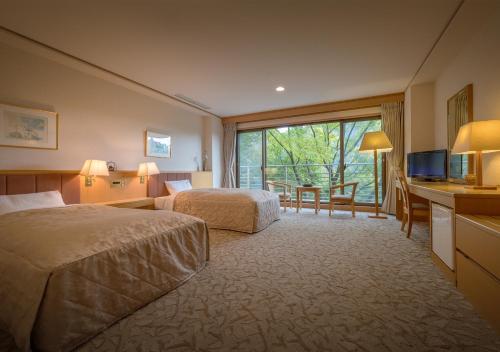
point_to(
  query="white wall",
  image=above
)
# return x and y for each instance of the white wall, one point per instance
(98, 118)
(469, 52)
(478, 63)
(212, 145)
(419, 117)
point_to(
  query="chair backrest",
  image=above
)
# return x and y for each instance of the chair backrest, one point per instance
(404, 185)
(271, 187)
(353, 185)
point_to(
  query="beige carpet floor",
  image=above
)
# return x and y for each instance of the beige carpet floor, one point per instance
(309, 283)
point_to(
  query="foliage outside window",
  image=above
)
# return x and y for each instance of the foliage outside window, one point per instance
(321, 154)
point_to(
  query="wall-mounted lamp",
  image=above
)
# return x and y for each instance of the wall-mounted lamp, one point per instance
(147, 169)
(93, 168)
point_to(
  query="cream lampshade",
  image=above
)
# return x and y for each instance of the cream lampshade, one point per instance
(478, 137)
(93, 168)
(147, 169)
(375, 142)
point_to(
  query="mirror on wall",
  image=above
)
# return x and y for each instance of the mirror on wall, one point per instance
(459, 113)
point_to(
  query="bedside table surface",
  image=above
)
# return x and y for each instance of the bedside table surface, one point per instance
(134, 202)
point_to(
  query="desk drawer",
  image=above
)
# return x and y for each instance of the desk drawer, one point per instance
(479, 243)
(480, 288)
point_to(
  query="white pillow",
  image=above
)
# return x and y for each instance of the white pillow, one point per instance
(18, 202)
(174, 187)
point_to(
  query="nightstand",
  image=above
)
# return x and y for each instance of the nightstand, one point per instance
(137, 203)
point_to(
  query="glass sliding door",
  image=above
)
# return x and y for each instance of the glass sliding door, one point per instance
(359, 166)
(304, 154)
(322, 154)
(250, 159)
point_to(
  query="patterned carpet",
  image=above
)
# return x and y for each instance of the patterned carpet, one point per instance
(309, 283)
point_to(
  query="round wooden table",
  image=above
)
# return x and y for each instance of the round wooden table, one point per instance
(313, 189)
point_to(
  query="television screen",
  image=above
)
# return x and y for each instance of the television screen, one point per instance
(427, 165)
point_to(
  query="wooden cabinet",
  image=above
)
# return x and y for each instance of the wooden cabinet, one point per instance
(478, 263)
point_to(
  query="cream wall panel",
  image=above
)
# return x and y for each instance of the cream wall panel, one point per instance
(476, 63)
(98, 119)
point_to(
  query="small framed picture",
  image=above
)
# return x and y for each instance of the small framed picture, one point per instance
(158, 144)
(28, 128)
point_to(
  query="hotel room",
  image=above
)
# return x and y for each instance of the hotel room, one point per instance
(250, 175)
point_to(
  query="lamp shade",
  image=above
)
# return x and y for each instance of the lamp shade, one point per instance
(478, 136)
(375, 141)
(147, 169)
(94, 168)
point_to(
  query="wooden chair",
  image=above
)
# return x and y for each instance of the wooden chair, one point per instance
(411, 203)
(343, 198)
(284, 191)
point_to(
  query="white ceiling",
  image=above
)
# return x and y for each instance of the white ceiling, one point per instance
(231, 54)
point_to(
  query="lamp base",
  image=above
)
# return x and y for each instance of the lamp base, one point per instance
(377, 216)
(482, 187)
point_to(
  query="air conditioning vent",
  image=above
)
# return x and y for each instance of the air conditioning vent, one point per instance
(192, 101)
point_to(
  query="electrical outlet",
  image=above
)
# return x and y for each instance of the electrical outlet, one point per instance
(117, 184)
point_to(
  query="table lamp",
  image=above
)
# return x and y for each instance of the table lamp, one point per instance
(375, 142)
(478, 137)
(92, 168)
(146, 170)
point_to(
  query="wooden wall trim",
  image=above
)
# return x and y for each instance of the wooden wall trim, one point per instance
(72, 172)
(286, 121)
(317, 108)
(37, 172)
(40, 172)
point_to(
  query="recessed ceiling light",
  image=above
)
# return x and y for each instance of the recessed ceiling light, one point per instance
(280, 89)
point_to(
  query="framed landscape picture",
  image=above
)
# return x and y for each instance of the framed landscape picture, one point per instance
(28, 128)
(158, 144)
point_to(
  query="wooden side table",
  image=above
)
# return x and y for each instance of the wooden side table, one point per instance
(137, 203)
(313, 189)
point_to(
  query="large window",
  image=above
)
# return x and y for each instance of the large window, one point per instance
(250, 161)
(321, 153)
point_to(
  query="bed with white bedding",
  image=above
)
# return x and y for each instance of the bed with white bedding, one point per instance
(222, 208)
(69, 272)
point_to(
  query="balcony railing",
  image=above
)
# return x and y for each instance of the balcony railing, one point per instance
(322, 175)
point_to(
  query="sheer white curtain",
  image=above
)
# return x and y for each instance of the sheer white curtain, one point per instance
(229, 152)
(392, 115)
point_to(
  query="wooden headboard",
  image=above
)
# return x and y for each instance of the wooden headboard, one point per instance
(156, 183)
(66, 183)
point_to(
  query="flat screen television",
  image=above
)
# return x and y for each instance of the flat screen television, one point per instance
(430, 166)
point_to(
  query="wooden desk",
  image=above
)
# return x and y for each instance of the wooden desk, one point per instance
(465, 240)
(459, 198)
(313, 189)
(445, 197)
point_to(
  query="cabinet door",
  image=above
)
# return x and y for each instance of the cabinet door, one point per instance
(442, 234)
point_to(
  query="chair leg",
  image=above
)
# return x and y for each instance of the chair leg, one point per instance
(330, 206)
(353, 209)
(403, 221)
(410, 223)
(284, 205)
